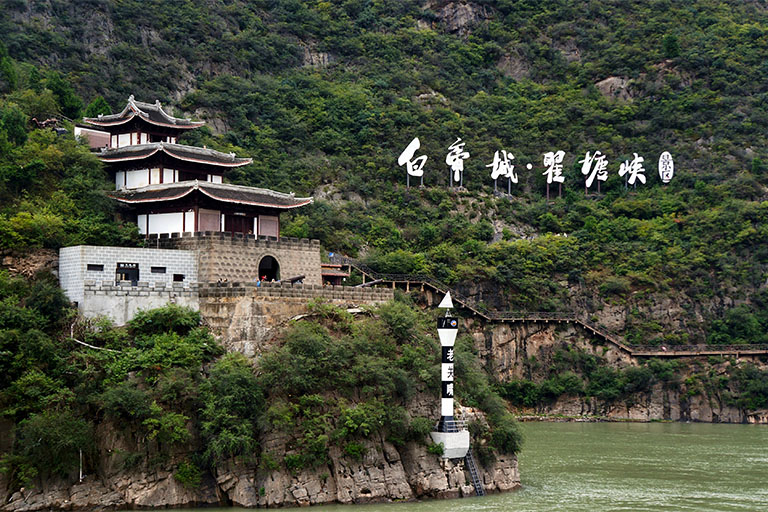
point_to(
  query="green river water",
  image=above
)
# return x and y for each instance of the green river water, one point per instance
(624, 466)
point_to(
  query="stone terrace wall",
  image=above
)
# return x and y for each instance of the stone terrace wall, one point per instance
(236, 257)
(122, 302)
(244, 315)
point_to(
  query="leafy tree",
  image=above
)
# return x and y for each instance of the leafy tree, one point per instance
(671, 46)
(232, 402)
(13, 122)
(98, 106)
(51, 441)
(70, 103)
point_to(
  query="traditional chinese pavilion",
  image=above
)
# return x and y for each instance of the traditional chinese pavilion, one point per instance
(168, 187)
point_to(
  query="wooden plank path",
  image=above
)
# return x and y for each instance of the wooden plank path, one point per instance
(421, 282)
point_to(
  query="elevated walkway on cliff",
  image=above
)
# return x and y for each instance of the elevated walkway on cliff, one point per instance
(421, 282)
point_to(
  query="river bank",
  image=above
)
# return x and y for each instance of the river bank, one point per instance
(655, 466)
(558, 418)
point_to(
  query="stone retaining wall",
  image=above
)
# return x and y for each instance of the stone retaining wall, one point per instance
(236, 257)
(244, 315)
(122, 302)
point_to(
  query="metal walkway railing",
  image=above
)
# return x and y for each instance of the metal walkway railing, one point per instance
(422, 280)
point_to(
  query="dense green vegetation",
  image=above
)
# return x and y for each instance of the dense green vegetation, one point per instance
(376, 366)
(518, 75)
(51, 187)
(164, 385)
(515, 75)
(574, 373)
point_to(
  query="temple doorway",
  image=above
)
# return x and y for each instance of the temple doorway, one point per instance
(269, 267)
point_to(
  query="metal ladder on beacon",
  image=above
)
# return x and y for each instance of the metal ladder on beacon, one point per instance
(469, 460)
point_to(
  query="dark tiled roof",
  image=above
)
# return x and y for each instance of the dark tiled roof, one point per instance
(152, 113)
(178, 151)
(218, 191)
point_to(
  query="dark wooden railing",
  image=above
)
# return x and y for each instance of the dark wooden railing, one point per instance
(422, 280)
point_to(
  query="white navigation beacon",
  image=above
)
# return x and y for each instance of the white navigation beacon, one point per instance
(446, 303)
(455, 438)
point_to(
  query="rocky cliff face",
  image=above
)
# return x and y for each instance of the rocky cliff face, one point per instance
(509, 350)
(385, 472)
(640, 315)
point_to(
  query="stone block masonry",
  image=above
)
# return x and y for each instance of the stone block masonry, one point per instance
(236, 257)
(121, 303)
(81, 263)
(231, 302)
(244, 315)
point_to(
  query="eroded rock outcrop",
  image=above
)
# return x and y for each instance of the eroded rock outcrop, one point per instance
(615, 87)
(384, 472)
(526, 350)
(459, 17)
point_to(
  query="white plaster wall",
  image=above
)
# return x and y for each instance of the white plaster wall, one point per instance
(122, 308)
(141, 221)
(455, 444)
(189, 221)
(135, 179)
(166, 222)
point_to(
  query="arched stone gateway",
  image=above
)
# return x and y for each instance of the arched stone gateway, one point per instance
(269, 267)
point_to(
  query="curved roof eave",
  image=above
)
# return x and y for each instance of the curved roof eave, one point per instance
(160, 146)
(304, 202)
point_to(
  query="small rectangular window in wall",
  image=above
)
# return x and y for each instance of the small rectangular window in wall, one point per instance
(92, 267)
(178, 278)
(157, 270)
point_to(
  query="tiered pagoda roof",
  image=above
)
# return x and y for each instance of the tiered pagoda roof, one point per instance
(225, 193)
(175, 151)
(152, 113)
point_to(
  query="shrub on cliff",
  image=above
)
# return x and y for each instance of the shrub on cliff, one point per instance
(51, 441)
(232, 403)
(170, 318)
